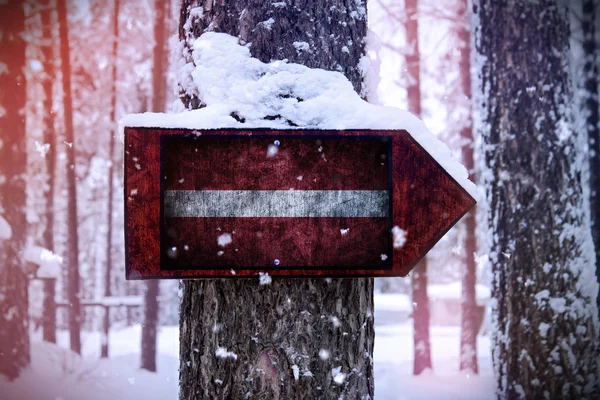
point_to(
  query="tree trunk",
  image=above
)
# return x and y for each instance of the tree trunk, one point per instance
(110, 172)
(14, 317)
(418, 279)
(592, 111)
(150, 326)
(468, 306)
(293, 328)
(159, 88)
(47, 48)
(421, 316)
(544, 286)
(72, 239)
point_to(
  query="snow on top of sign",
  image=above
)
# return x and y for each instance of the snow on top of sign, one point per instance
(242, 92)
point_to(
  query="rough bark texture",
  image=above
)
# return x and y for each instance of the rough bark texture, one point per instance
(72, 239)
(14, 322)
(159, 88)
(592, 111)
(47, 48)
(545, 315)
(422, 345)
(468, 307)
(288, 337)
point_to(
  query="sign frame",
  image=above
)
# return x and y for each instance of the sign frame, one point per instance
(418, 183)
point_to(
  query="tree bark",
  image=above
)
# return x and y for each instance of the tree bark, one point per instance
(14, 317)
(159, 88)
(418, 279)
(72, 238)
(545, 318)
(592, 111)
(290, 336)
(468, 306)
(47, 48)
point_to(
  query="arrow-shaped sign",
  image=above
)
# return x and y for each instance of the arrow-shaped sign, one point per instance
(225, 203)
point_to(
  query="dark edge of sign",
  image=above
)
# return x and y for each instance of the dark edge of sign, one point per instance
(125, 199)
(161, 222)
(391, 198)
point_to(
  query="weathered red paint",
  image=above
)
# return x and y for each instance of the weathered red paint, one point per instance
(426, 202)
(250, 169)
(258, 242)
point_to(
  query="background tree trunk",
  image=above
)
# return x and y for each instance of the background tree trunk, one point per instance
(418, 277)
(421, 318)
(47, 48)
(111, 174)
(159, 87)
(592, 111)
(72, 238)
(468, 307)
(314, 325)
(545, 316)
(14, 319)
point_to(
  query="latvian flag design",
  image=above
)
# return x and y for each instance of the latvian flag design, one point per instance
(290, 202)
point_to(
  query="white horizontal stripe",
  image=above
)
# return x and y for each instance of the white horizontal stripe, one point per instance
(276, 203)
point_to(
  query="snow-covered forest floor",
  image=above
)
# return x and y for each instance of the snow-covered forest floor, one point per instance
(58, 374)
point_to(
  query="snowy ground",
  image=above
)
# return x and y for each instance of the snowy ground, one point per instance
(57, 374)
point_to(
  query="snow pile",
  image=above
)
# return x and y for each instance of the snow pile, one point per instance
(57, 373)
(49, 263)
(5, 229)
(242, 92)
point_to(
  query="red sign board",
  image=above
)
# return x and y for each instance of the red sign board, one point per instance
(295, 203)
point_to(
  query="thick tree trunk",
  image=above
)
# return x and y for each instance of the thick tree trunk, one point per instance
(289, 337)
(468, 306)
(159, 87)
(544, 287)
(72, 238)
(110, 172)
(418, 278)
(592, 110)
(47, 48)
(14, 318)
